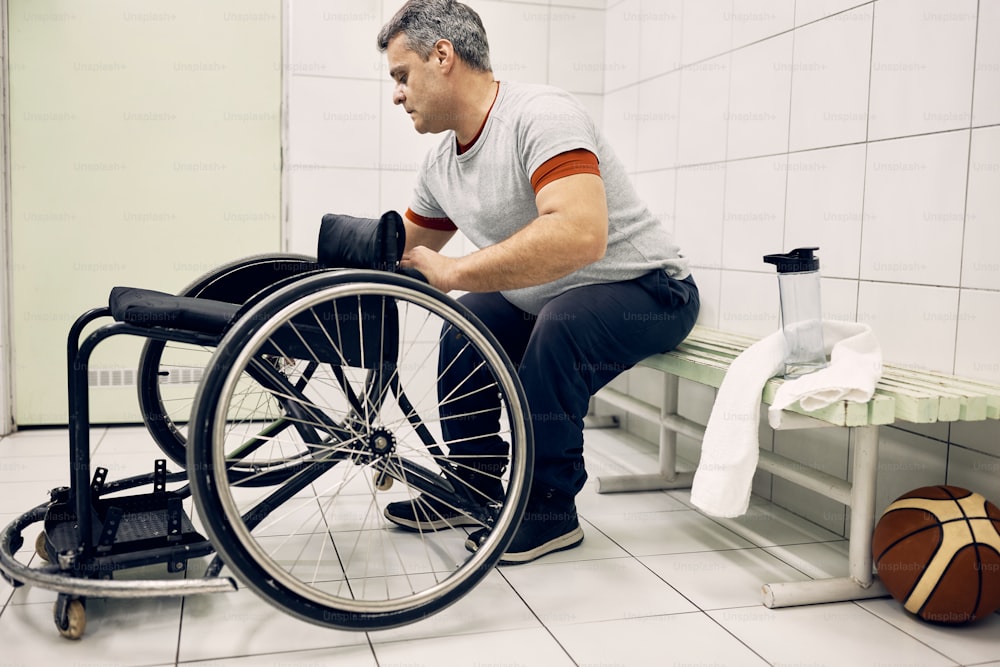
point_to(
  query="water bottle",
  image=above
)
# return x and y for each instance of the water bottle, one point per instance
(801, 313)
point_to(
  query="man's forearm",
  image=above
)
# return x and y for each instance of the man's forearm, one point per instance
(544, 251)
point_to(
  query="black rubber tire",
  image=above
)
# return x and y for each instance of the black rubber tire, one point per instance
(336, 591)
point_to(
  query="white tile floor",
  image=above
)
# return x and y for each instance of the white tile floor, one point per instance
(654, 583)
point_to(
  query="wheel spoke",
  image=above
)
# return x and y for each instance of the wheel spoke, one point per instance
(290, 494)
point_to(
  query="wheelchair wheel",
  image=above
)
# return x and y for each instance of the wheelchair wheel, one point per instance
(169, 372)
(315, 544)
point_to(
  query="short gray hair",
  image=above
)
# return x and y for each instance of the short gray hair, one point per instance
(424, 22)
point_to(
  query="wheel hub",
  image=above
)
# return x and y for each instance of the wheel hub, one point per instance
(381, 442)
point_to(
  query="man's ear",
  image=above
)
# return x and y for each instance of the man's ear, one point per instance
(444, 54)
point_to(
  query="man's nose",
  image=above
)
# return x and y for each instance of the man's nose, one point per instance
(397, 95)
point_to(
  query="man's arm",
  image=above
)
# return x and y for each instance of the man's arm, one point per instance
(570, 232)
(433, 239)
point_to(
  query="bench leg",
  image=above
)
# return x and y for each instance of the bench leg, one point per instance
(861, 582)
(858, 494)
(670, 425)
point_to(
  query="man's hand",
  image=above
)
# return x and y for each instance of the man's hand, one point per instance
(433, 265)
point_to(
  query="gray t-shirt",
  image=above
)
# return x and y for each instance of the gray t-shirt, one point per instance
(486, 191)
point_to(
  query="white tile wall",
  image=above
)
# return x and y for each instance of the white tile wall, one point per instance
(588, 4)
(759, 91)
(576, 51)
(334, 122)
(621, 122)
(914, 209)
(907, 461)
(622, 44)
(708, 29)
(704, 111)
(980, 261)
(519, 38)
(839, 298)
(657, 188)
(985, 108)
(978, 436)
(710, 289)
(699, 211)
(395, 188)
(335, 39)
(922, 66)
(976, 352)
(755, 20)
(822, 449)
(915, 324)
(972, 470)
(807, 11)
(594, 103)
(659, 37)
(830, 80)
(316, 191)
(824, 206)
(657, 122)
(748, 303)
(754, 215)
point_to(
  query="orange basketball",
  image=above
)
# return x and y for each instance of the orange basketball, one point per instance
(937, 550)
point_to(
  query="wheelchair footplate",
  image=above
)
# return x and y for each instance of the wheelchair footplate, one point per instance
(127, 531)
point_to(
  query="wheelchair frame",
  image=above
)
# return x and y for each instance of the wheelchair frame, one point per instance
(91, 531)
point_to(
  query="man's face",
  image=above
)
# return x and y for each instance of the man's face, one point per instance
(420, 88)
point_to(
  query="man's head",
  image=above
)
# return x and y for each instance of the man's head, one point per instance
(423, 23)
(439, 58)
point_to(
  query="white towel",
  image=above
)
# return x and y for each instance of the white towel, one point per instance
(854, 369)
(729, 451)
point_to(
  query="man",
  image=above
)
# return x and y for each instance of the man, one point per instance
(573, 274)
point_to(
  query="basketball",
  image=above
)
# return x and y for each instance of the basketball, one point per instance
(937, 551)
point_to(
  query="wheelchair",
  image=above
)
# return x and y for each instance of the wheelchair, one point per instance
(296, 396)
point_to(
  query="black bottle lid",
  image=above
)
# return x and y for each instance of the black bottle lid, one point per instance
(799, 260)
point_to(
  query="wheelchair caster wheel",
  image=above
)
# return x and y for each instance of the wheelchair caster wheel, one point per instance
(40, 547)
(70, 616)
(383, 482)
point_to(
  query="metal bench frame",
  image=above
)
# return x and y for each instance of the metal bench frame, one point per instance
(902, 394)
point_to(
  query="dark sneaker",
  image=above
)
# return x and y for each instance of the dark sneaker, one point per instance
(547, 527)
(426, 513)
(480, 476)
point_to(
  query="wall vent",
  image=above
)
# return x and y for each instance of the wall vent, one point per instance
(126, 377)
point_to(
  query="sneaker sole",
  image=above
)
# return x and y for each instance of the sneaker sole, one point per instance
(432, 525)
(562, 543)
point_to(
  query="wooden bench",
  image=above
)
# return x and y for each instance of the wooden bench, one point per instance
(903, 394)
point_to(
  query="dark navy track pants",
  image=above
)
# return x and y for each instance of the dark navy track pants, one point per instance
(580, 341)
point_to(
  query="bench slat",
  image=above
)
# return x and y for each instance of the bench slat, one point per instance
(912, 405)
(702, 371)
(978, 401)
(881, 409)
(903, 393)
(952, 405)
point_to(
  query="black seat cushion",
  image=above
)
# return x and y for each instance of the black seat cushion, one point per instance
(346, 242)
(149, 308)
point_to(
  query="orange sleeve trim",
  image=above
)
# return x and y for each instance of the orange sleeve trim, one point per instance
(439, 224)
(579, 161)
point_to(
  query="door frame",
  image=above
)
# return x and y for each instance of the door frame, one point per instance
(6, 338)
